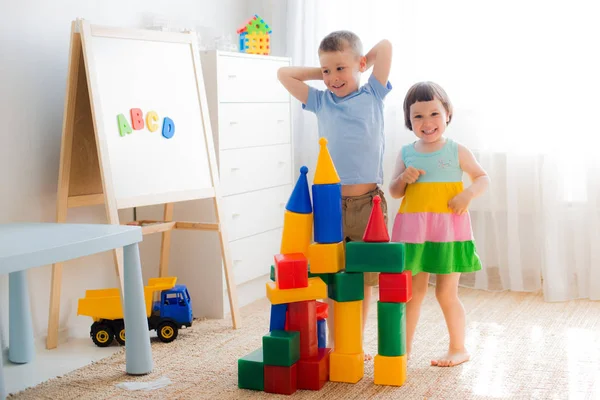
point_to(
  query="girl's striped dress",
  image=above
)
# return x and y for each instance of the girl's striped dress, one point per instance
(437, 240)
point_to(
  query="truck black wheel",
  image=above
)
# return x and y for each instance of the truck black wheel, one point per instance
(167, 331)
(120, 335)
(101, 334)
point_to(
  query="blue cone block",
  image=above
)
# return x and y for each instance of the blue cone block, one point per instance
(299, 201)
(278, 317)
(322, 333)
(327, 201)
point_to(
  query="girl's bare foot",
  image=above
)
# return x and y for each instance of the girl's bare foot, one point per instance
(452, 358)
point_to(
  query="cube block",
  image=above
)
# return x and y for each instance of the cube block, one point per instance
(316, 290)
(251, 371)
(322, 310)
(324, 277)
(297, 233)
(303, 318)
(390, 371)
(327, 205)
(395, 288)
(281, 348)
(346, 286)
(348, 368)
(391, 329)
(348, 327)
(281, 380)
(374, 257)
(313, 372)
(327, 258)
(291, 271)
(321, 333)
(278, 317)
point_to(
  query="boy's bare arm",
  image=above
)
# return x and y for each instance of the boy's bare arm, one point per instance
(292, 78)
(380, 57)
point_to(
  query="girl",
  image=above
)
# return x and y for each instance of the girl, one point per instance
(433, 220)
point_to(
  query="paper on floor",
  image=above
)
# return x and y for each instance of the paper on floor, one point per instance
(160, 383)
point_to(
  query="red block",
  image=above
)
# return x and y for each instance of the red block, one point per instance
(302, 317)
(322, 310)
(313, 373)
(291, 271)
(395, 288)
(376, 230)
(281, 380)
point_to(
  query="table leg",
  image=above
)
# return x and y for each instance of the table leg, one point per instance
(2, 387)
(138, 353)
(21, 349)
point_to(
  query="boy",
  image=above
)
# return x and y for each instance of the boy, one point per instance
(351, 118)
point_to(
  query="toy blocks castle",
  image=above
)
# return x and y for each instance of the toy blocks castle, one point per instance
(255, 36)
(294, 354)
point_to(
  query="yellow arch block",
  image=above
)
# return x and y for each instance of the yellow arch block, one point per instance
(326, 258)
(325, 172)
(348, 368)
(348, 327)
(297, 233)
(390, 371)
(316, 290)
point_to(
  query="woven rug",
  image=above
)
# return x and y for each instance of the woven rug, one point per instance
(522, 348)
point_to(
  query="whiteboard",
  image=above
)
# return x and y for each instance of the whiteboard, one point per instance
(143, 71)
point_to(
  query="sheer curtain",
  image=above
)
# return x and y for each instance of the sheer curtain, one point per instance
(524, 83)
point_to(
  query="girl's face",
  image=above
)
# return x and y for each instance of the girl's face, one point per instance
(429, 120)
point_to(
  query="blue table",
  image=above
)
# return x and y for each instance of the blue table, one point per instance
(30, 245)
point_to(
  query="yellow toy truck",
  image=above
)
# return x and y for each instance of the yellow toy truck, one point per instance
(171, 311)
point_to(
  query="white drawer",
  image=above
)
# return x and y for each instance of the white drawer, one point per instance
(250, 80)
(253, 124)
(253, 256)
(254, 168)
(255, 212)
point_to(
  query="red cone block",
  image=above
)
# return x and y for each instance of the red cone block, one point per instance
(376, 230)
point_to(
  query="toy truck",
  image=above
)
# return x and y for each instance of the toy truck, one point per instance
(168, 308)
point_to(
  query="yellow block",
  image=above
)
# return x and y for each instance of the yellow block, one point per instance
(390, 371)
(348, 327)
(316, 290)
(297, 233)
(348, 368)
(325, 173)
(326, 258)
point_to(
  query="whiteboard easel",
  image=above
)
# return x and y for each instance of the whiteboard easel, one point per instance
(114, 70)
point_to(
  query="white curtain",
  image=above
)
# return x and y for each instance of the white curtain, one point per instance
(524, 80)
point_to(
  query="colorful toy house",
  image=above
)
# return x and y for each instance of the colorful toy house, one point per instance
(255, 36)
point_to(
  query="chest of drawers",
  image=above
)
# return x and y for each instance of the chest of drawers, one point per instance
(251, 123)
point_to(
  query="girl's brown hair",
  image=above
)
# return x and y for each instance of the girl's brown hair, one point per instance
(425, 91)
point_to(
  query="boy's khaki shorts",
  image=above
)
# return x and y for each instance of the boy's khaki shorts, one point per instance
(356, 211)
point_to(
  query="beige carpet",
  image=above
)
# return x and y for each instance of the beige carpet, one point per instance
(522, 348)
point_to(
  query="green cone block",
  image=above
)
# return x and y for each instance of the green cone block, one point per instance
(391, 329)
(251, 369)
(281, 348)
(346, 286)
(374, 257)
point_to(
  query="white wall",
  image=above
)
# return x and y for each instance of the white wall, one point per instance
(34, 43)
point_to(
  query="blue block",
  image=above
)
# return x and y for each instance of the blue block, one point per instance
(322, 333)
(278, 317)
(243, 41)
(327, 203)
(299, 201)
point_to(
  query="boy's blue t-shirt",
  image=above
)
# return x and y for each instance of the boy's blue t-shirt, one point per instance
(353, 126)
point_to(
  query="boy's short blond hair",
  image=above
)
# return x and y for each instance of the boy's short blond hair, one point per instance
(338, 40)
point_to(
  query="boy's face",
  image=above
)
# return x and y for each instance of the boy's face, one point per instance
(429, 120)
(341, 70)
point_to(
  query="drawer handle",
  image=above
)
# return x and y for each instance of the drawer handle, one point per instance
(232, 76)
(281, 163)
(235, 215)
(280, 121)
(237, 261)
(235, 168)
(233, 123)
(281, 204)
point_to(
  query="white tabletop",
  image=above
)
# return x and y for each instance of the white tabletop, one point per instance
(27, 245)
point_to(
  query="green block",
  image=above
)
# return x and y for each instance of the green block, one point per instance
(281, 348)
(324, 277)
(391, 329)
(273, 273)
(346, 286)
(251, 371)
(374, 257)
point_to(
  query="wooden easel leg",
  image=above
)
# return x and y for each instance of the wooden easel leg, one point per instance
(165, 246)
(231, 288)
